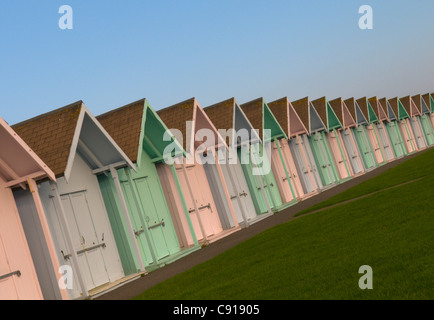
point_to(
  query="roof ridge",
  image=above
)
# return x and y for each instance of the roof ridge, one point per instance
(44, 115)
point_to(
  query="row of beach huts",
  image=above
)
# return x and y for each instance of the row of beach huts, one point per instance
(88, 203)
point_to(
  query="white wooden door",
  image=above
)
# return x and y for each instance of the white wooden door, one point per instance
(88, 245)
(352, 151)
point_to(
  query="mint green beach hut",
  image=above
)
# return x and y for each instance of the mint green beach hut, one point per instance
(159, 239)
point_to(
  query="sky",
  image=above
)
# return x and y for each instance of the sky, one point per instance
(169, 51)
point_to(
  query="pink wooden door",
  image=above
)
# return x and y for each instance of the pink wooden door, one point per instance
(292, 169)
(375, 144)
(409, 142)
(340, 161)
(280, 175)
(202, 197)
(18, 280)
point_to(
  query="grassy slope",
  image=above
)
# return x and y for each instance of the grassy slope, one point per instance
(412, 169)
(318, 256)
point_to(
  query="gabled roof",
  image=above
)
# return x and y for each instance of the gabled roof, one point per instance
(124, 125)
(137, 127)
(301, 106)
(327, 114)
(222, 114)
(351, 105)
(188, 117)
(227, 115)
(367, 110)
(337, 105)
(51, 134)
(321, 108)
(409, 106)
(17, 159)
(375, 110)
(420, 104)
(390, 112)
(426, 98)
(261, 117)
(398, 108)
(349, 121)
(58, 135)
(177, 116)
(288, 118)
(382, 109)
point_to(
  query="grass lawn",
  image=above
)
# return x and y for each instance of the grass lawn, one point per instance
(318, 256)
(409, 170)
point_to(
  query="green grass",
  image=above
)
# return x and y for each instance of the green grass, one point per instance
(318, 256)
(409, 170)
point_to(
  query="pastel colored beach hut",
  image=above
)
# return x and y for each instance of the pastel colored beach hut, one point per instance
(398, 111)
(317, 141)
(247, 191)
(20, 169)
(414, 121)
(392, 127)
(305, 166)
(377, 116)
(334, 138)
(77, 149)
(161, 224)
(363, 141)
(363, 107)
(424, 119)
(429, 103)
(200, 174)
(348, 125)
(272, 135)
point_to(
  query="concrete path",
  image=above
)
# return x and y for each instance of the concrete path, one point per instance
(136, 287)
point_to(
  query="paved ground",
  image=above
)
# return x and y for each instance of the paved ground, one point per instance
(140, 285)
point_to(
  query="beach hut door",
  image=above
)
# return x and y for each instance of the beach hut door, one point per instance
(352, 151)
(388, 152)
(417, 132)
(88, 244)
(7, 285)
(302, 166)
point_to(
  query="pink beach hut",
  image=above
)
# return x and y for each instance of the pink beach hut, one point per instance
(200, 174)
(347, 135)
(414, 120)
(20, 168)
(297, 151)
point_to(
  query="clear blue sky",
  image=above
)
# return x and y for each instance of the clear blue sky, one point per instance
(169, 51)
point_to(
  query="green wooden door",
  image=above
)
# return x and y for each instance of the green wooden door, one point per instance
(365, 148)
(427, 129)
(254, 184)
(396, 139)
(321, 160)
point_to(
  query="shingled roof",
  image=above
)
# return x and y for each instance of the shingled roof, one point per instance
(394, 104)
(321, 108)
(409, 106)
(337, 105)
(351, 105)
(280, 110)
(426, 98)
(363, 105)
(50, 135)
(301, 106)
(177, 115)
(124, 125)
(222, 114)
(382, 103)
(254, 112)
